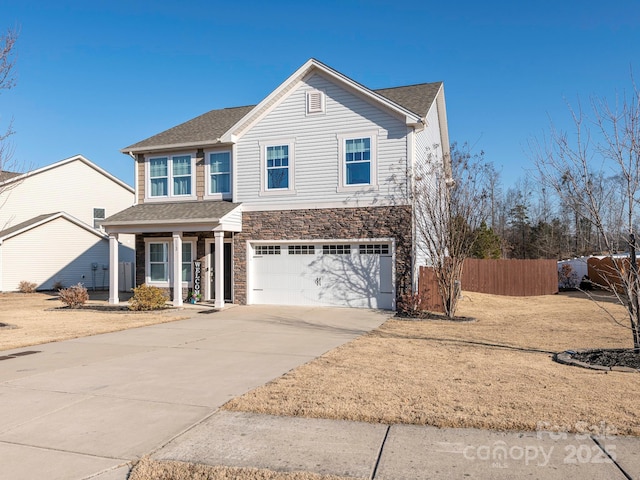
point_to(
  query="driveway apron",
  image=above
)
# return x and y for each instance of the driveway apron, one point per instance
(87, 407)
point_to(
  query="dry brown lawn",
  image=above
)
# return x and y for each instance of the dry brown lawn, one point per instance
(39, 318)
(147, 469)
(495, 373)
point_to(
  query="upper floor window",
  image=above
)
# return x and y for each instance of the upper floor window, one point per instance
(358, 167)
(171, 176)
(98, 216)
(357, 161)
(277, 168)
(219, 164)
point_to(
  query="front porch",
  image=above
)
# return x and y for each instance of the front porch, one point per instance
(170, 239)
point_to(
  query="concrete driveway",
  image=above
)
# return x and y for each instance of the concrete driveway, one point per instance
(84, 408)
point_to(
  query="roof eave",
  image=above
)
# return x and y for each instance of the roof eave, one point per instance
(172, 146)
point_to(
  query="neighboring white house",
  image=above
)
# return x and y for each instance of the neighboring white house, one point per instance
(302, 199)
(50, 229)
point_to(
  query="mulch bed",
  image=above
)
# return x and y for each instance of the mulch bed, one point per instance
(610, 357)
(423, 315)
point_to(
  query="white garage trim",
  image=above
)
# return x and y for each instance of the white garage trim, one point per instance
(345, 274)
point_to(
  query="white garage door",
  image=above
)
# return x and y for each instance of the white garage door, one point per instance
(329, 274)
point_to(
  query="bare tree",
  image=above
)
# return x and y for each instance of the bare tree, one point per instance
(451, 202)
(606, 142)
(7, 81)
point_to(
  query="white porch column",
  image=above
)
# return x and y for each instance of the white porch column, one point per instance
(177, 269)
(113, 269)
(219, 269)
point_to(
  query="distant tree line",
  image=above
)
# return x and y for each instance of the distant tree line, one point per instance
(528, 221)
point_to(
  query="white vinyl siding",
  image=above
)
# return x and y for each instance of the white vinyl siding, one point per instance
(50, 253)
(74, 188)
(317, 162)
(427, 150)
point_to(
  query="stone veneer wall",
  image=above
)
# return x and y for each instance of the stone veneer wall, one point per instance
(319, 224)
(307, 224)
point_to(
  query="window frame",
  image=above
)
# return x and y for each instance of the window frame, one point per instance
(219, 195)
(264, 145)
(97, 220)
(170, 177)
(343, 186)
(169, 264)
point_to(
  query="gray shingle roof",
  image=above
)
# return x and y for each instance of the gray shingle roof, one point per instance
(25, 224)
(171, 212)
(416, 98)
(212, 125)
(205, 128)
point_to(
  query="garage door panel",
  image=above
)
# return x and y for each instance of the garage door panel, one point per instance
(325, 279)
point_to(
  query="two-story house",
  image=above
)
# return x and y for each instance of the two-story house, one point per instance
(302, 199)
(50, 230)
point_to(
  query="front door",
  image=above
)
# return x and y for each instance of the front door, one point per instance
(227, 272)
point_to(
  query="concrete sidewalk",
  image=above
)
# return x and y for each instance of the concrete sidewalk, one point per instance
(375, 451)
(85, 408)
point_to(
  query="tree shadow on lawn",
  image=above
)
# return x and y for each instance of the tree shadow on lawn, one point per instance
(455, 341)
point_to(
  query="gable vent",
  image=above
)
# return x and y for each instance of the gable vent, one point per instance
(315, 102)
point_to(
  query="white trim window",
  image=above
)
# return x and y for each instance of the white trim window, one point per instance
(171, 176)
(358, 161)
(159, 258)
(187, 262)
(157, 262)
(219, 174)
(99, 214)
(277, 167)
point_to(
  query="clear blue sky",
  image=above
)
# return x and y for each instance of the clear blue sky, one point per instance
(95, 76)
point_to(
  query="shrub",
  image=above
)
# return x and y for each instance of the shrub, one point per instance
(27, 287)
(410, 305)
(147, 298)
(58, 285)
(75, 296)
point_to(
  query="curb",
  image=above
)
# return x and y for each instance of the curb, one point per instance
(566, 358)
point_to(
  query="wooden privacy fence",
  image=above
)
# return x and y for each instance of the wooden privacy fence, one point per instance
(499, 277)
(602, 272)
(515, 278)
(430, 299)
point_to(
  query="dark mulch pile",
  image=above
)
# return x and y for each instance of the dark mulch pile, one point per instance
(610, 358)
(108, 309)
(423, 315)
